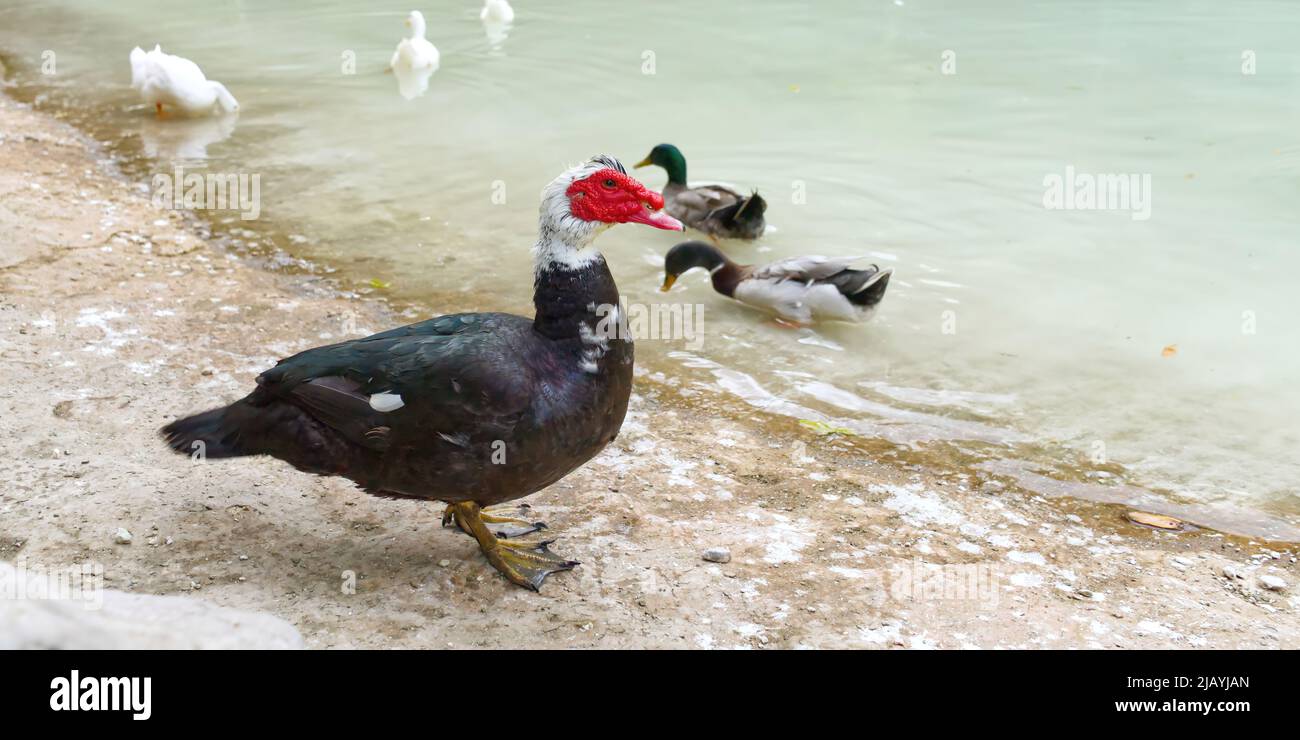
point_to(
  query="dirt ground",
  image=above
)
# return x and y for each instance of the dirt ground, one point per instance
(116, 317)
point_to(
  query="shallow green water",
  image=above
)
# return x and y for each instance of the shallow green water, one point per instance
(1037, 331)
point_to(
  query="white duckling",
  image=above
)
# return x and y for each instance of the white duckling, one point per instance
(168, 80)
(415, 53)
(497, 11)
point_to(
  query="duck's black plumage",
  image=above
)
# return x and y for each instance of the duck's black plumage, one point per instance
(495, 406)
(860, 287)
(470, 409)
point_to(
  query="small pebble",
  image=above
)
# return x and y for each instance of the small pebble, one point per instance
(122, 537)
(717, 555)
(444, 563)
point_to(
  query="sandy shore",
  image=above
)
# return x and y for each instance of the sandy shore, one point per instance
(116, 317)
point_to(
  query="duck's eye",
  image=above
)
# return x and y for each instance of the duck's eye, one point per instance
(609, 183)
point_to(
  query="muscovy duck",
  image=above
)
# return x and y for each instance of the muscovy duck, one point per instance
(470, 409)
(799, 289)
(164, 79)
(718, 211)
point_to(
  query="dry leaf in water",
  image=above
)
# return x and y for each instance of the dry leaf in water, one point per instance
(1159, 521)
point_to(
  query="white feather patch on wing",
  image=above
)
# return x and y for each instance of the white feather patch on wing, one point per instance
(385, 402)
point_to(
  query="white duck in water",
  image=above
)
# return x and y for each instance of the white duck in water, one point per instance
(168, 80)
(415, 53)
(497, 11)
(497, 16)
(415, 59)
(798, 290)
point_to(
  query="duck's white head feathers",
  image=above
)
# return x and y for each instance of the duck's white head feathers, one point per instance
(497, 11)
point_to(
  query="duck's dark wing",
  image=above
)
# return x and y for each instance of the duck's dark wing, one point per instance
(319, 408)
(340, 404)
(693, 205)
(742, 219)
(443, 372)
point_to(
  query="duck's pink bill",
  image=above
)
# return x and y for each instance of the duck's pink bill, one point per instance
(657, 219)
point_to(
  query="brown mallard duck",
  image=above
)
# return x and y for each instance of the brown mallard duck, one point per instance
(799, 290)
(718, 211)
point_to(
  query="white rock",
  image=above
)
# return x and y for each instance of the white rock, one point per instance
(122, 537)
(1272, 583)
(717, 555)
(101, 619)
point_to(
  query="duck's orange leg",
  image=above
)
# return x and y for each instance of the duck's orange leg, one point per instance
(158, 108)
(489, 516)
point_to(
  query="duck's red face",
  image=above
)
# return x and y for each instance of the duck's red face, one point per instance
(612, 197)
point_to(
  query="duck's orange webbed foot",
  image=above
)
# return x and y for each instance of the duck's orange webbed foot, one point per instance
(524, 563)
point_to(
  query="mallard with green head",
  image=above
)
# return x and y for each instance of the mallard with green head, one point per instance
(718, 211)
(799, 290)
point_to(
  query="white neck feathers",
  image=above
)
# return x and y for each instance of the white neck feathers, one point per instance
(564, 241)
(417, 24)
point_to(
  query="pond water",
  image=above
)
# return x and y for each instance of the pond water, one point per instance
(1152, 346)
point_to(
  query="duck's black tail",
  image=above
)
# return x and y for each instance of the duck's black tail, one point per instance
(255, 426)
(213, 434)
(865, 287)
(745, 216)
